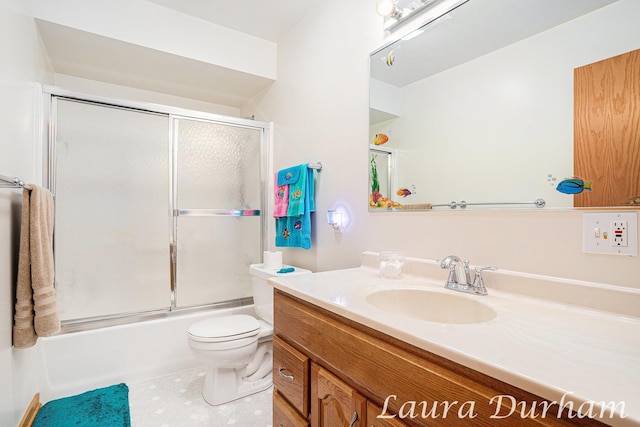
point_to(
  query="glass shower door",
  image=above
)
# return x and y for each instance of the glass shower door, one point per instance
(218, 227)
(112, 222)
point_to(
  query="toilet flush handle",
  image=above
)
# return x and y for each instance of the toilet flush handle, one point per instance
(281, 370)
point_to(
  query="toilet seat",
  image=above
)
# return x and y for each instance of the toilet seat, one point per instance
(225, 328)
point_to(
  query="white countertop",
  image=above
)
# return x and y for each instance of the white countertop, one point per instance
(560, 352)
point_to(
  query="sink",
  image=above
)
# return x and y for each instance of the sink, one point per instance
(422, 304)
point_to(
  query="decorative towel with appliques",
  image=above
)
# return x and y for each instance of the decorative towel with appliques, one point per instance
(294, 229)
(281, 199)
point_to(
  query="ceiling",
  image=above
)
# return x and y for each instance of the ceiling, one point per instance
(266, 19)
(90, 56)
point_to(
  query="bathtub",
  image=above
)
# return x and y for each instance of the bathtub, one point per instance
(76, 362)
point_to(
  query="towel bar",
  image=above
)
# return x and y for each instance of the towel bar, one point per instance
(12, 182)
(539, 203)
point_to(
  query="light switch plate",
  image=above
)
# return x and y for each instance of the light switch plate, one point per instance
(601, 231)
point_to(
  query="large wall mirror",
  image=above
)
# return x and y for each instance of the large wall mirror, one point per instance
(478, 106)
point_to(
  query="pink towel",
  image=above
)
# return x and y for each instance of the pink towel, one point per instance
(281, 193)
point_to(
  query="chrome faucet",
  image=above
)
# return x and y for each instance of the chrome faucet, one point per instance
(460, 279)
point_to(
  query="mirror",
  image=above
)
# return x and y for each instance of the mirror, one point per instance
(479, 105)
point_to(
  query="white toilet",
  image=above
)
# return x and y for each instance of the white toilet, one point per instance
(238, 348)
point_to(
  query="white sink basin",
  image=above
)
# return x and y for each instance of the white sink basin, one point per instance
(439, 307)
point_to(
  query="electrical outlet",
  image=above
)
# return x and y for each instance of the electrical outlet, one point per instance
(618, 233)
(613, 233)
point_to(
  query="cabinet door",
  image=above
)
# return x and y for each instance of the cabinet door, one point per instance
(373, 421)
(284, 415)
(334, 403)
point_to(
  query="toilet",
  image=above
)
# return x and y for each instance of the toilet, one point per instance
(237, 348)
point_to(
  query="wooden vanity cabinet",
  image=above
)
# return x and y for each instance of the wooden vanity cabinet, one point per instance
(348, 368)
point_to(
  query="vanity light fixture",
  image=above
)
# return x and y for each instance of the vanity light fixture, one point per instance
(387, 8)
(396, 12)
(334, 218)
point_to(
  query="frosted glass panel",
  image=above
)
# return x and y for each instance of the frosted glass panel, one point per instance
(214, 254)
(218, 166)
(112, 210)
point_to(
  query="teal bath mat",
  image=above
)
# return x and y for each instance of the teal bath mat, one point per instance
(104, 407)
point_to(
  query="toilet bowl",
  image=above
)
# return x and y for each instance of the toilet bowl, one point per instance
(237, 349)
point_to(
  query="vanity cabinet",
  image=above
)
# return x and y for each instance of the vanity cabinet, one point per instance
(341, 367)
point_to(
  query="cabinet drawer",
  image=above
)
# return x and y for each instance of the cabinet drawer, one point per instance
(291, 375)
(284, 415)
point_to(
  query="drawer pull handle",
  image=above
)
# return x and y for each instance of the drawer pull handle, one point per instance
(281, 370)
(354, 419)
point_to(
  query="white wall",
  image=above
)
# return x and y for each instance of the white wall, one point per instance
(23, 63)
(319, 105)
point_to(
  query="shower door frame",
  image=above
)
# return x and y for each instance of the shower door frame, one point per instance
(49, 115)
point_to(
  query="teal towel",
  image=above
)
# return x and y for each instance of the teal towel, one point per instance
(295, 230)
(289, 176)
(311, 190)
(297, 192)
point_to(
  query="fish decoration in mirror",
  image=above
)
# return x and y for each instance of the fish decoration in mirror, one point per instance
(380, 139)
(404, 192)
(573, 186)
(390, 58)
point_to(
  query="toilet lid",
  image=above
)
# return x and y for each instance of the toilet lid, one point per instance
(225, 328)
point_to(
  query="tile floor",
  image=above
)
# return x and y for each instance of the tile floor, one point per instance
(175, 400)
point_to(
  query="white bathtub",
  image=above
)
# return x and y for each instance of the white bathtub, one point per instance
(76, 362)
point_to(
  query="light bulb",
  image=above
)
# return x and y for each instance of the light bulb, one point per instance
(385, 7)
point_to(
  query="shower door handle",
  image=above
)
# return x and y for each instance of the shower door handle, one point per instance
(216, 212)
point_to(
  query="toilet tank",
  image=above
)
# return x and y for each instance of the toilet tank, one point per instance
(263, 292)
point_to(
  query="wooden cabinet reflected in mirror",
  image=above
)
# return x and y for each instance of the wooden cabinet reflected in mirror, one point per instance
(607, 131)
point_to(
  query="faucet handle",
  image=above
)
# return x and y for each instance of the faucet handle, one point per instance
(490, 268)
(478, 283)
